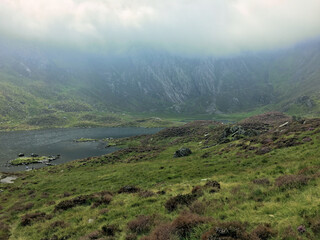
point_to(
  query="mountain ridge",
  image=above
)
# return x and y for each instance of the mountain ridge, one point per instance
(36, 81)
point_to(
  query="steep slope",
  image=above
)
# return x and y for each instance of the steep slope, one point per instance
(39, 80)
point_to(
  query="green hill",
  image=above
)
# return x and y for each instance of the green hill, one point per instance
(257, 179)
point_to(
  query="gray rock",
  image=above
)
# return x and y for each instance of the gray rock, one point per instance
(306, 101)
(182, 152)
(236, 132)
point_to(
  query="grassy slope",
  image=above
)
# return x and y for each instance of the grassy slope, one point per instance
(149, 165)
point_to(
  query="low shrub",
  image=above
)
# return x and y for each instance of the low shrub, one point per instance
(93, 235)
(227, 231)
(161, 232)
(197, 190)
(109, 230)
(28, 219)
(186, 199)
(97, 199)
(212, 184)
(104, 211)
(129, 189)
(184, 224)
(131, 236)
(263, 232)
(263, 150)
(100, 198)
(66, 194)
(58, 224)
(290, 142)
(198, 207)
(141, 224)
(146, 194)
(291, 181)
(4, 231)
(67, 204)
(315, 226)
(19, 207)
(261, 181)
(289, 234)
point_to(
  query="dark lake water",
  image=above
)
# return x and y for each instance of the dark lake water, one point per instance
(60, 141)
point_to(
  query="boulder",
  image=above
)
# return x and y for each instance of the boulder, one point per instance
(182, 152)
(21, 155)
(236, 132)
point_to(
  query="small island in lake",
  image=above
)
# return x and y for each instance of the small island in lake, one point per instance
(29, 160)
(85, 140)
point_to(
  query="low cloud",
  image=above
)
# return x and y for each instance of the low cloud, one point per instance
(216, 27)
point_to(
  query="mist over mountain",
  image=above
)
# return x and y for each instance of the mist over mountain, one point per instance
(203, 27)
(42, 80)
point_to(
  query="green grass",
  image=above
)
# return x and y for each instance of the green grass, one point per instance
(28, 160)
(85, 140)
(233, 167)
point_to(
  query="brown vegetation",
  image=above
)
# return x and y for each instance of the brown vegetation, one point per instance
(28, 219)
(198, 207)
(186, 199)
(184, 224)
(141, 224)
(146, 194)
(161, 232)
(291, 181)
(261, 181)
(227, 231)
(4, 231)
(262, 232)
(97, 199)
(129, 189)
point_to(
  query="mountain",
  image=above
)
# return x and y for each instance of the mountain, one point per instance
(38, 81)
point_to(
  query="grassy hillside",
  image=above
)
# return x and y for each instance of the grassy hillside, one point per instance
(258, 179)
(28, 104)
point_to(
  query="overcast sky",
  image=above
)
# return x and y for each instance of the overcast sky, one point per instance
(184, 26)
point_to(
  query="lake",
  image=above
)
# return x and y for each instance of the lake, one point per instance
(60, 141)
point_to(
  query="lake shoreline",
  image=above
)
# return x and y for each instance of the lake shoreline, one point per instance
(46, 142)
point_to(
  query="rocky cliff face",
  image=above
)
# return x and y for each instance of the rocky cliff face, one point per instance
(160, 82)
